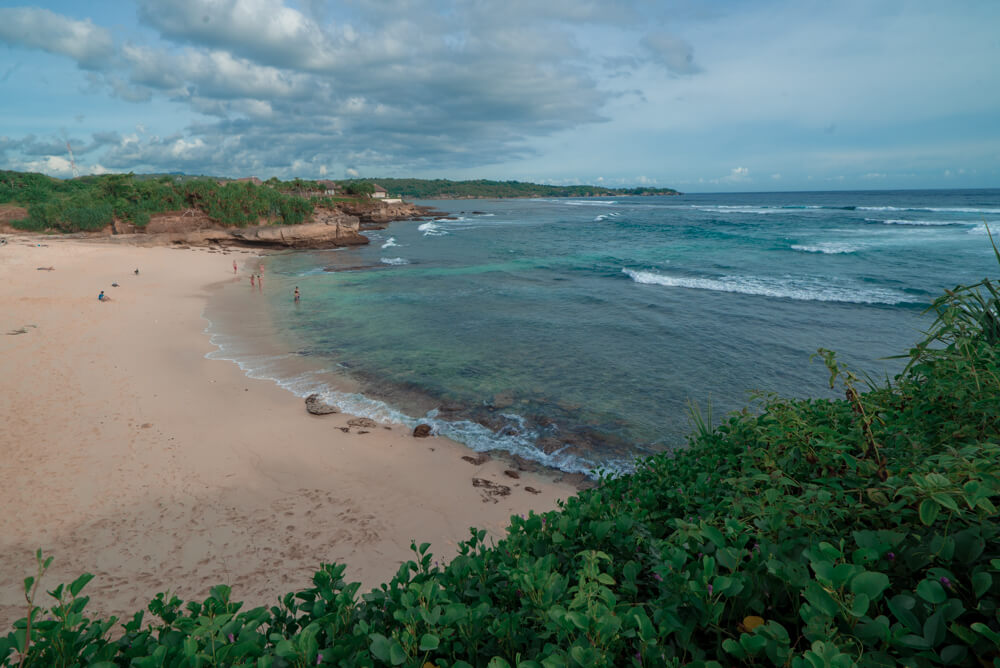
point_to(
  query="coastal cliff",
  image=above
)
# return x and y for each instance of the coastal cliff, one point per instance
(326, 227)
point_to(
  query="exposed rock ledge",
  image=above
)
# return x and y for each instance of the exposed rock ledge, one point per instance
(328, 227)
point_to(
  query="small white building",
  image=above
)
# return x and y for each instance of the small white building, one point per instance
(379, 192)
(329, 187)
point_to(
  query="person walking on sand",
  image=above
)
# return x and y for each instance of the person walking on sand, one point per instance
(251, 280)
(260, 282)
(296, 294)
(234, 266)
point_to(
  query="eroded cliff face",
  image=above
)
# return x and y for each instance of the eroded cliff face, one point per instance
(327, 228)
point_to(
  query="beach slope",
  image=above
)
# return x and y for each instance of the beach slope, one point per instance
(130, 455)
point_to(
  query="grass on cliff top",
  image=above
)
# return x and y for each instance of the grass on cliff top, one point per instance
(860, 531)
(91, 203)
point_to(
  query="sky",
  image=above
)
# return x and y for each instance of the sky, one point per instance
(698, 95)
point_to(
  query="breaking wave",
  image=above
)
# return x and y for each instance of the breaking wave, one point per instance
(806, 289)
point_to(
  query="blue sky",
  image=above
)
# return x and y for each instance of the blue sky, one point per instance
(735, 95)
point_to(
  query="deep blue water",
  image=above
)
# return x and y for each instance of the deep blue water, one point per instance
(576, 331)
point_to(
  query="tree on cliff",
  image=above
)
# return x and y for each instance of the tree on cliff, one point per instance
(359, 188)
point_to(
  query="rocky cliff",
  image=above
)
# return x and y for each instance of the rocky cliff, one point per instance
(328, 227)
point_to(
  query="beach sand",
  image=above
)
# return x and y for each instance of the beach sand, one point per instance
(127, 454)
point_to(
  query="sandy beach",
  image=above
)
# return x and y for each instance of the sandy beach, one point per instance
(129, 455)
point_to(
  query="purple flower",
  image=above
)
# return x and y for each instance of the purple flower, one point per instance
(319, 659)
(657, 577)
(891, 556)
(946, 582)
(231, 638)
(710, 590)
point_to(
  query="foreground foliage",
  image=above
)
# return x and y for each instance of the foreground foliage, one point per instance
(818, 533)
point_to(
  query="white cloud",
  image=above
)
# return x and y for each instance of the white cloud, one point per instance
(89, 45)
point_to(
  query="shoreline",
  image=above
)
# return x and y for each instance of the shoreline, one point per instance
(134, 457)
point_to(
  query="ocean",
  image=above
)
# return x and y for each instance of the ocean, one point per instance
(579, 332)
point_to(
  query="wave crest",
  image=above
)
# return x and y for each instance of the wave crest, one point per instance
(801, 289)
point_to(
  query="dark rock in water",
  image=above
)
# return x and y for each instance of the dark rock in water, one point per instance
(523, 464)
(512, 474)
(550, 444)
(364, 423)
(495, 423)
(450, 408)
(422, 431)
(316, 406)
(490, 490)
(478, 213)
(478, 460)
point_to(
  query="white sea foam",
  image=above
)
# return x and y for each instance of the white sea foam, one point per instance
(801, 289)
(390, 242)
(828, 247)
(936, 209)
(432, 229)
(583, 202)
(394, 260)
(761, 210)
(925, 223)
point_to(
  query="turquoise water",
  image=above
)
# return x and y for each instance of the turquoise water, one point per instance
(575, 332)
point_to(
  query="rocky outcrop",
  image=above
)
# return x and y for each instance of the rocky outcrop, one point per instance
(374, 215)
(327, 229)
(316, 406)
(422, 431)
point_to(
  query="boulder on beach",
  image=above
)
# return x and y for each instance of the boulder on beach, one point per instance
(422, 431)
(317, 406)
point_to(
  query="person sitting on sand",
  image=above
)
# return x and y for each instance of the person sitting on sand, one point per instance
(102, 298)
(137, 271)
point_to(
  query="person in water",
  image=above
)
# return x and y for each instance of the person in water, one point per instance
(296, 293)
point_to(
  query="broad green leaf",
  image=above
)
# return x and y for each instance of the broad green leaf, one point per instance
(929, 510)
(981, 583)
(859, 607)
(380, 646)
(931, 591)
(397, 656)
(870, 583)
(428, 642)
(901, 605)
(80, 583)
(821, 600)
(953, 655)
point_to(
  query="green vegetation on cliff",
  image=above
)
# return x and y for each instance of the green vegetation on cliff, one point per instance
(860, 531)
(91, 203)
(482, 188)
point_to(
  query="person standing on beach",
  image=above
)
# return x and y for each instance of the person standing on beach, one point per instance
(296, 294)
(251, 280)
(234, 266)
(260, 282)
